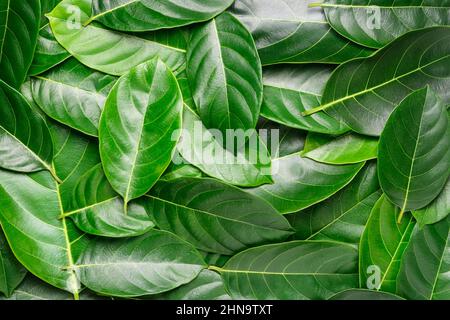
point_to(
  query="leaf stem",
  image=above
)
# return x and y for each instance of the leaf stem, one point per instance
(214, 268)
(315, 5)
(88, 21)
(54, 175)
(400, 216)
(314, 110)
(76, 295)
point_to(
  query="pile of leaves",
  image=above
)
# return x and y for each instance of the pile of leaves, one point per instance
(98, 98)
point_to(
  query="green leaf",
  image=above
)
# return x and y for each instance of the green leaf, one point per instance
(155, 262)
(34, 289)
(207, 286)
(201, 148)
(49, 52)
(46, 7)
(75, 154)
(300, 182)
(122, 14)
(73, 95)
(102, 49)
(29, 209)
(342, 217)
(25, 141)
(364, 92)
(287, 31)
(376, 23)
(214, 259)
(382, 246)
(97, 209)
(424, 272)
(297, 270)
(291, 90)
(214, 216)
(414, 151)
(346, 149)
(436, 210)
(284, 140)
(11, 271)
(363, 294)
(137, 142)
(224, 73)
(19, 27)
(176, 171)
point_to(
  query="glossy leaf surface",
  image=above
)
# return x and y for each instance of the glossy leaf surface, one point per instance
(137, 142)
(214, 216)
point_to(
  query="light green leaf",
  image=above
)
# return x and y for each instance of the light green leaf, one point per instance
(137, 142)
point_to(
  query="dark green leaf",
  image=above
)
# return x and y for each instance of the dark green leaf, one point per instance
(295, 270)
(105, 50)
(414, 151)
(382, 246)
(300, 182)
(224, 73)
(73, 95)
(137, 142)
(25, 141)
(11, 271)
(49, 52)
(146, 15)
(343, 216)
(215, 217)
(19, 27)
(291, 90)
(376, 23)
(97, 209)
(425, 268)
(155, 262)
(436, 210)
(363, 92)
(346, 149)
(287, 31)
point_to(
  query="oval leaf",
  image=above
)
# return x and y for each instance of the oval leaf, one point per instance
(297, 270)
(105, 50)
(346, 149)
(137, 142)
(97, 209)
(436, 210)
(363, 92)
(300, 182)
(424, 272)
(224, 73)
(19, 27)
(376, 23)
(382, 246)
(25, 141)
(288, 31)
(73, 95)
(121, 14)
(155, 262)
(343, 216)
(414, 151)
(291, 90)
(215, 217)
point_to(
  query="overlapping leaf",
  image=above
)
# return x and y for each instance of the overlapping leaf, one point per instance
(376, 23)
(146, 15)
(155, 262)
(11, 271)
(102, 49)
(224, 73)
(73, 95)
(215, 217)
(19, 27)
(295, 270)
(343, 216)
(436, 210)
(288, 31)
(137, 142)
(414, 151)
(363, 92)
